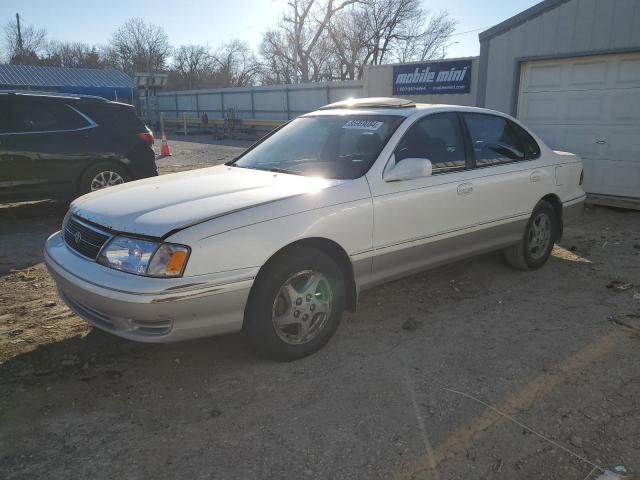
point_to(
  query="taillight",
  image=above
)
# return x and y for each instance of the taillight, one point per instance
(146, 137)
(581, 177)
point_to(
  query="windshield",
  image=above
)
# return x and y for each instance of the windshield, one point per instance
(328, 146)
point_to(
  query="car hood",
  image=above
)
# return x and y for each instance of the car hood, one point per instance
(159, 205)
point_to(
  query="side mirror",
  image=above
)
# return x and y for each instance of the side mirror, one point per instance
(408, 169)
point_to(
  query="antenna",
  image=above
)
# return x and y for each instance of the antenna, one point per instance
(19, 32)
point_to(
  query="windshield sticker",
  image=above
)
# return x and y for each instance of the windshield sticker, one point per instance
(363, 124)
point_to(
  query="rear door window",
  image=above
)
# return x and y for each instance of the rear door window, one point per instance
(438, 138)
(43, 116)
(494, 139)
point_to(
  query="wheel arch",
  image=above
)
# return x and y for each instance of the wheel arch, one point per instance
(106, 161)
(556, 203)
(327, 246)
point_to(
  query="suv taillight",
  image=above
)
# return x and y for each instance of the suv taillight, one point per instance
(146, 137)
(581, 177)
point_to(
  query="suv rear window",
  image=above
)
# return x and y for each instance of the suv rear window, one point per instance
(113, 117)
(44, 116)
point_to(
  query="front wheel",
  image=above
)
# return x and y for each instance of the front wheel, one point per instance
(296, 305)
(540, 234)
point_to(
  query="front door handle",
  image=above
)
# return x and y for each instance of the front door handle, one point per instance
(535, 176)
(465, 189)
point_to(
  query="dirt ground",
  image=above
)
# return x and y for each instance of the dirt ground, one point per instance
(409, 388)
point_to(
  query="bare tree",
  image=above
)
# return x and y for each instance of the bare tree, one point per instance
(277, 55)
(298, 42)
(401, 30)
(324, 40)
(232, 64)
(138, 46)
(23, 48)
(420, 42)
(71, 54)
(192, 67)
(348, 34)
(235, 64)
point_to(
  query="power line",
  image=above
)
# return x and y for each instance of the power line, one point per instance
(469, 31)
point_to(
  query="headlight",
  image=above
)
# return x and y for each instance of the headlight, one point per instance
(144, 257)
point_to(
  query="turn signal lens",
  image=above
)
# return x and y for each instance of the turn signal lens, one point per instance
(169, 260)
(176, 262)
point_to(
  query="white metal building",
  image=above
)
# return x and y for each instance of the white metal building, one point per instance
(570, 69)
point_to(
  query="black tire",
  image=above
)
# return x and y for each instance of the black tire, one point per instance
(520, 255)
(259, 324)
(94, 170)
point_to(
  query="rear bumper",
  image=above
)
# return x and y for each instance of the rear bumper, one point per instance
(147, 309)
(142, 160)
(572, 210)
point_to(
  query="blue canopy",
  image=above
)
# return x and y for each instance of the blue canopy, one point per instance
(108, 83)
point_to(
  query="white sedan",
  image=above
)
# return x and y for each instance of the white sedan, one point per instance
(281, 240)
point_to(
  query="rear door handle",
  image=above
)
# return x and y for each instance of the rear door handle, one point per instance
(535, 176)
(465, 189)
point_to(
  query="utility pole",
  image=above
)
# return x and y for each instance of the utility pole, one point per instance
(19, 33)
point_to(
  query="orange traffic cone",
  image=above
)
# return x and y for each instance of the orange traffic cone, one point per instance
(164, 147)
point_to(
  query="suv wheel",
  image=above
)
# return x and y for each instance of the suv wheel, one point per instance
(537, 241)
(296, 305)
(101, 176)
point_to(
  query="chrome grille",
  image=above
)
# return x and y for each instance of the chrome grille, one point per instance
(83, 238)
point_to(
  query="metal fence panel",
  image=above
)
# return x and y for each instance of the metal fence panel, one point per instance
(270, 102)
(187, 103)
(338, 94)
(308, 99)
(209, 102)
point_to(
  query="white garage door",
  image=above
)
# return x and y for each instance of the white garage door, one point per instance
(589, 106)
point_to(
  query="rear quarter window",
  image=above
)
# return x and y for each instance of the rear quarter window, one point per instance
(531, 147)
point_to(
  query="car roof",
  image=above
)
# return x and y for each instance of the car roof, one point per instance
(40, 94)
(392, 106)
(370, 102)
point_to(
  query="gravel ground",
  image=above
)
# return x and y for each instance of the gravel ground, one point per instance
(395, 395)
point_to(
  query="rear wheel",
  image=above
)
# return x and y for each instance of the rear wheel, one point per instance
(103, 175)
(540, 234)
(296, 305)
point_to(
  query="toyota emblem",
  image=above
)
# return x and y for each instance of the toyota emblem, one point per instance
(77, 237)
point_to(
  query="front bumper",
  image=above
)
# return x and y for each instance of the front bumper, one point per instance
(146, 309)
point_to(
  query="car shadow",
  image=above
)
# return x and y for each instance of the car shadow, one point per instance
(100, 356)
(25, 227)
(31, 210)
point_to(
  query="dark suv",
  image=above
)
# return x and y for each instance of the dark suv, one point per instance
(65, 145)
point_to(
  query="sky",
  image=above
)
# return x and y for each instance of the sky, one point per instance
(211, 22)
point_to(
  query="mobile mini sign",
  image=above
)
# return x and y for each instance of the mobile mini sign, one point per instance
(432, 78)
